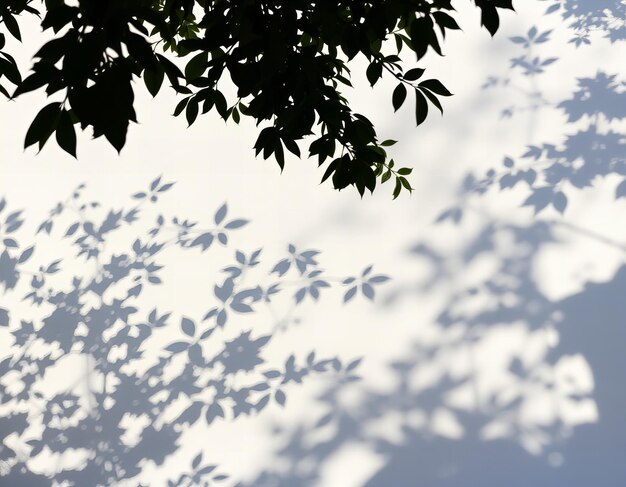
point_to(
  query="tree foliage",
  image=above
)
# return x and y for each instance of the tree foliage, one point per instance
(287, 61)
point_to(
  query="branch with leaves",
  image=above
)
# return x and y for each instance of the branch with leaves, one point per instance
(286, 61)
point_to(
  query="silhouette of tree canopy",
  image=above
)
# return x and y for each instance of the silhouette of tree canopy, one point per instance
(287, 61)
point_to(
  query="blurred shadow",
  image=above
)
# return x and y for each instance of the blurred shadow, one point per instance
(593, 144)
(126, 399)
(508, 387)
(518, 391)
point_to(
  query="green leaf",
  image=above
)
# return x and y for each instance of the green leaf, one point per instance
(171, 70)
(291, 145)
(153, 79)
(374, 72)
(405, 171)
(397, 188)
(9, 69)
(32, 83)
(209, 99)
(196, 66)
(220, 104)
(405, 183)
(11, 25)
(192, 111)
(235, 115)
(65, 134)
(489, 18)
(435, 86)
(421, 108)
(444, 20)
(180, 106)
(368, 177)
(414, 74)
(43, 125)
(433, 99)
(279, 153)
(332, 167)
(110, 103)
(398, 96)
(399, 42)
(264, 140)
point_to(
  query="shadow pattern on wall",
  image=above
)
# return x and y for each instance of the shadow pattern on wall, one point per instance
(511, 387)
(593, 145)
(135, 395)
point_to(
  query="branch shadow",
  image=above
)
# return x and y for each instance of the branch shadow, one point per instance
(134, 378)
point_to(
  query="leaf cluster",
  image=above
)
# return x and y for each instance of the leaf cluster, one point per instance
(287, 61)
